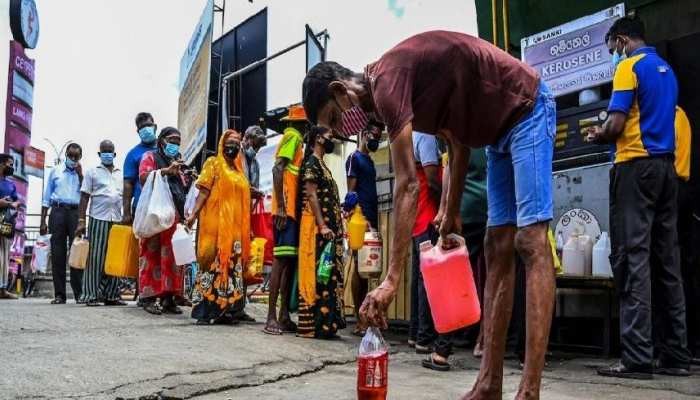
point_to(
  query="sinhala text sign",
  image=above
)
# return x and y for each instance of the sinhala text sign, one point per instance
(194, 87)
(573, 56)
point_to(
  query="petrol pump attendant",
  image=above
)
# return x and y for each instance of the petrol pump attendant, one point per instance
(643, 205)
(474, 95)
(62, 196)
(362, 189)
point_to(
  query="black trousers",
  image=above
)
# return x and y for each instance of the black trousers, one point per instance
(63, 222)
(689, 242)
(645, 260)
(421, 317)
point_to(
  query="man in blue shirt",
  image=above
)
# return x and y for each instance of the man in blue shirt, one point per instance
(62, 196)
(8, 200)
(362, 188)
(643, 206)
(146, 128)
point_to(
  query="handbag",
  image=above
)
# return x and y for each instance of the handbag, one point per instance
(7, 222)
(261, 225)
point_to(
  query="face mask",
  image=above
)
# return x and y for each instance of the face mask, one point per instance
(70, 164)
(231, 151)
(107, 158)
(618, 57)
(353, 121)
(9, 171)
(147, 134)
(372, 145)
(171, 150)
(328, 146)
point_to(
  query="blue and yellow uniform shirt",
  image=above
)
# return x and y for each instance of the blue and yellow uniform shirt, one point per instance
(645, 89)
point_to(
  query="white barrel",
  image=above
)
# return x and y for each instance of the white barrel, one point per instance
(573, 257)
(601, 256)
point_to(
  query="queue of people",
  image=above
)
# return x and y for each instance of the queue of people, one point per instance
(438, 192)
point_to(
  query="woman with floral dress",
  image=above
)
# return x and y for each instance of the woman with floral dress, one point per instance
(320, 304)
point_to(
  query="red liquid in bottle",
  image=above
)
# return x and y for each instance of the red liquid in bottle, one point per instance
(372, 376)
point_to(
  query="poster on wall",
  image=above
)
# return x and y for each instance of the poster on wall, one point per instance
(193, 86)
(573, 56)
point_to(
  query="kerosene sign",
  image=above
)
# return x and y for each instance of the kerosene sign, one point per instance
(573, 56)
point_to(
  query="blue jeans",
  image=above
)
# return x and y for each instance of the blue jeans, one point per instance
(519, 179)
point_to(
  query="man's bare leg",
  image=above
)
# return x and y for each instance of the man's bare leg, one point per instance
(285, 321)
(498, 305)
(534, 248)
(278, 267)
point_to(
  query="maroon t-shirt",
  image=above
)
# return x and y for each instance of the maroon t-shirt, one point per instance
(449, 80)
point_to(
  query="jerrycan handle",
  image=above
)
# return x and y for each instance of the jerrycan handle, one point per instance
(459, 239)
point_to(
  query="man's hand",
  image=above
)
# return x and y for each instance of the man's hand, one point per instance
(127, 218)
(6, 202)
(280, 219)
(255, 193)
(79, 169)
(43, 229)
(327, 233)
(15, 204)
(448, 225)
(373, 309)
(594, 133)
(80, 230)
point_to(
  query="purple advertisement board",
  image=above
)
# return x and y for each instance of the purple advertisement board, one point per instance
(573, 56)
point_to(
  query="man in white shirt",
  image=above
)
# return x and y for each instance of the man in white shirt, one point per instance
(102, 187)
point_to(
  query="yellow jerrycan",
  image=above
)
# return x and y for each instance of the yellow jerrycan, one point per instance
(122, 258)
(357, 226)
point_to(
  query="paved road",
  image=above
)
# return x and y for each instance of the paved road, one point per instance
(75, 352)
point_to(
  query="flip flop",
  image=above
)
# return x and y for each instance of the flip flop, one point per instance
(430, 363)
(271, 332)
(358, 332)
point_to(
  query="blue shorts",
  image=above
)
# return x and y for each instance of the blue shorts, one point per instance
(287, 239)
(519, 179)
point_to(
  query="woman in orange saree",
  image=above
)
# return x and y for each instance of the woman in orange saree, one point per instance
(223, 245)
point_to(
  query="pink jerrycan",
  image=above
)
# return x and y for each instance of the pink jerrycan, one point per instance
(449, 284)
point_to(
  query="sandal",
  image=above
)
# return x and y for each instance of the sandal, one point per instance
(430, 363)
(272, 331)
(92, 303)
(152, 308)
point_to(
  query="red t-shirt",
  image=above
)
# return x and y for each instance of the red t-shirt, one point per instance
(427, 207)
(449, 80)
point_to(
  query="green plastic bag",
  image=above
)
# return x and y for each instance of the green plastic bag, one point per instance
(325, 264)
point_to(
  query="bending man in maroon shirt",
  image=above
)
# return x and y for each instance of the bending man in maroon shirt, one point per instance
(471, 94)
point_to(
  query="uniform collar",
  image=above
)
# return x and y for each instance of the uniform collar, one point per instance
(645, 50)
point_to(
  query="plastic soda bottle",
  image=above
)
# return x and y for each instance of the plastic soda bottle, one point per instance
(325, 263)
(373, 367)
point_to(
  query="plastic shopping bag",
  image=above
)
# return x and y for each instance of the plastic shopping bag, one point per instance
(190, 200)
(41, 253)
(156, 210)
(261, 225)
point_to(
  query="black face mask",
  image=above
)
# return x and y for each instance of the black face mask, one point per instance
(9, 171)
(328, 146)
(373, 145)
(231, 150)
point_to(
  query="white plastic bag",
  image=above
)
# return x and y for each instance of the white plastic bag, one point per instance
(41, 253)
(190, 200)
(156, 210)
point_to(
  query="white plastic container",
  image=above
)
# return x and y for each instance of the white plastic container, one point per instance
(601, 256)
(183, 246)
(573, 257)
(369, 257)
(586, 243)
